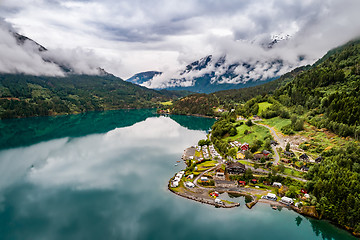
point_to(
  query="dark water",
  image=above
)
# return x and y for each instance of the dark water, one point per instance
(104, 176)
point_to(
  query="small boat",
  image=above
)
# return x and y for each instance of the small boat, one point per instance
(176, 164)
(177, 161)
(274, 207)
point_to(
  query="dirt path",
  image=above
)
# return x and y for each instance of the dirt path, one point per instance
(278, 139)
(202, 174)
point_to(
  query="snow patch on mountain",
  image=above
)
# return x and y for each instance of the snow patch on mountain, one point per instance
(221, 71)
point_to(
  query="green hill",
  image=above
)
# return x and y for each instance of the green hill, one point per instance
(24, 96)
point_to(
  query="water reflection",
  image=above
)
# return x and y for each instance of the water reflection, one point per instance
(321, 228)
(28, 131)
(193, 123)
(298, 220)
(113, 185)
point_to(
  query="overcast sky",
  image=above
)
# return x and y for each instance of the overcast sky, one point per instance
(129, 36)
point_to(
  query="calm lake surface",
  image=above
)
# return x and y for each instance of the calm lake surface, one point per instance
(104, 175)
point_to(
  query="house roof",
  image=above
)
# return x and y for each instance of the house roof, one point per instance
(305, 168)
(286, 199)
(272, 195)
(304, 155)
(258, 156)
(288, 153)
(236, 165)
(266, 152)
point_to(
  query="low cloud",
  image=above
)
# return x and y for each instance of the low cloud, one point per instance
(134, 36)
(78, 60)
(23, 59)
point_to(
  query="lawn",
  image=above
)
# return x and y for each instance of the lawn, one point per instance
(263, 106)
(245, 162)
(255, 133)
(207, 164)
(277, 122)
(168, 103)
(198, 154)
(296, 173)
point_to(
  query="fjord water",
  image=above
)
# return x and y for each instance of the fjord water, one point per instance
(104, 175)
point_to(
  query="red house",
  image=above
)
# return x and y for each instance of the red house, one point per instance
(266, 153)
(253, 181)
(242, 183)
(303, 191)
(245, 147)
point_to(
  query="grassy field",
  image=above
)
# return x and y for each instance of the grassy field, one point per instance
(295, 173)
(255, 133)
(168, 103)
(276, 122)
(263, 106)
(207, 164)
(245, 162)
(319, 140)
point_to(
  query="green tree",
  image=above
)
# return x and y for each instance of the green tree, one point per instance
(249, 123)
(291, 193)
(287, 148)
(299, 125)
(248, 155)
(248, 174)
(232, 152)
(281, 168)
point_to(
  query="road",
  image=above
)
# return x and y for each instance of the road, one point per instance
(278, 139)
(201, 174)
(263, 171)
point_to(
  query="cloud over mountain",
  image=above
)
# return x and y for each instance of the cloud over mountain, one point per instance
(140, 35)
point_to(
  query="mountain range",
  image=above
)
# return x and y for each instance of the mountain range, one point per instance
(25, 95)
(216, 73)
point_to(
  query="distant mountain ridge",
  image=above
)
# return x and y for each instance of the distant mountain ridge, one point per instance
(211, 74)
(26, 95)
(216, 73)
(142, 77)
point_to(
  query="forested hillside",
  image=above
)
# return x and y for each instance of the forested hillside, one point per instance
(204, 104)
(329, 92)
(24, 96)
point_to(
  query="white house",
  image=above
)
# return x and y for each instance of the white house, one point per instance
(220, 174)
(287, 201)
(174, 184)
(189, 184)
(218, 201)
(204, 179)
(277, 184)
(271, 196)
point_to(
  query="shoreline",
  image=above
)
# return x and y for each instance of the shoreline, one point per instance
(251, 204)
(204, 200)
(202, 194)
(189, 114)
